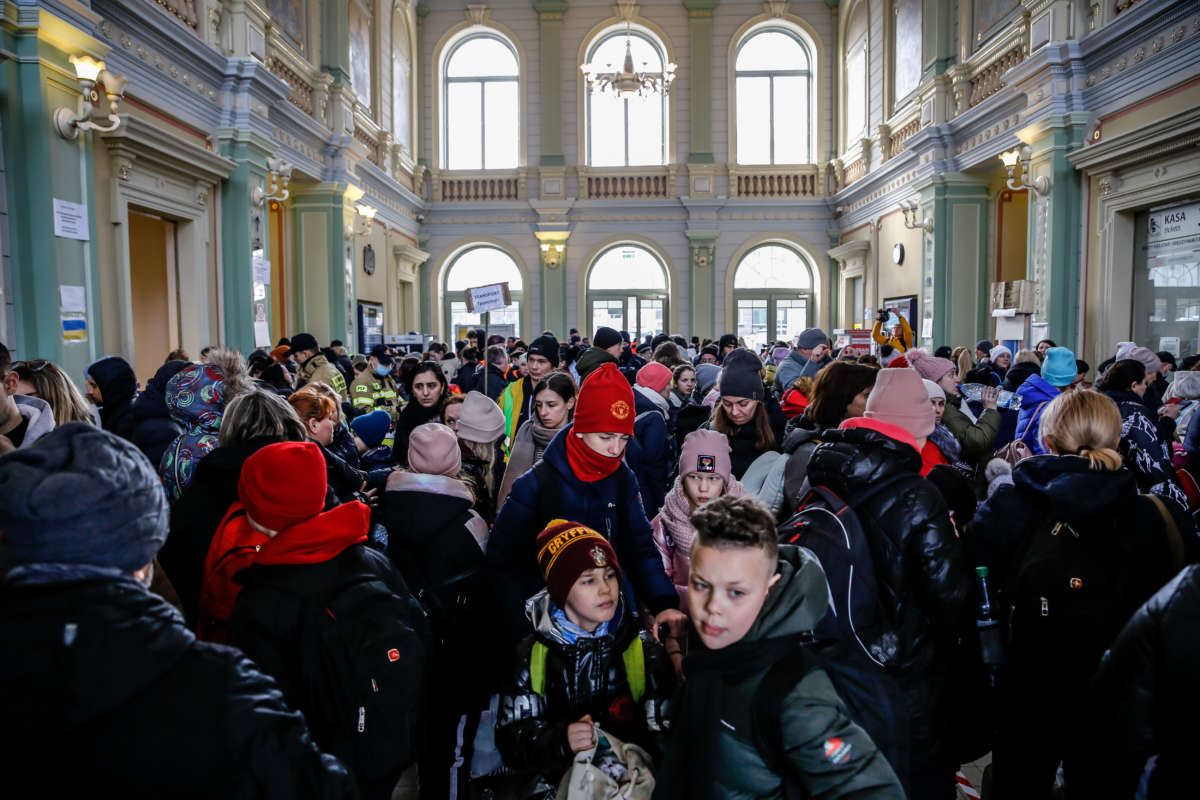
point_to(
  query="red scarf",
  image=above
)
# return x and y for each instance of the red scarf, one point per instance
(588, 465)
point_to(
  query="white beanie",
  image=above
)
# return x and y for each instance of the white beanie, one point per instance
(999, 350)
(1123, 350)
(935, 391)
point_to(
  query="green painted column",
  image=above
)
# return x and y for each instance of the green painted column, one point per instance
(243, 234)
(955, 275)
(325, 280)
(937, 36)
(550, 23)
(700, 31)
(552, 253)
(1054, 222)
(335, 39)
(701, 273)
(425, 277)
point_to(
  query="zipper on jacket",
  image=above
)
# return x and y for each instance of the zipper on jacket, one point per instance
(1045, 607)
(362, 719)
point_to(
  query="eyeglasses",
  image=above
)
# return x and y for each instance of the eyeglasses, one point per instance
(36, 365)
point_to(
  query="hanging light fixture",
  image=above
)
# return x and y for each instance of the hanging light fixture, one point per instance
(627, 82)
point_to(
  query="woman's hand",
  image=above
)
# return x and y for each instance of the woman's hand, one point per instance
(990, 397)
(581, 735)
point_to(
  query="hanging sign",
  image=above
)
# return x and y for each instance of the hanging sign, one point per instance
(492, 297)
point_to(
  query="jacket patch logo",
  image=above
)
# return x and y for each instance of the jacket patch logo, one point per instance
(1076, 583)
(837, 750)
(619, 409)
(706, 463)
(393, 654)
(599, 558)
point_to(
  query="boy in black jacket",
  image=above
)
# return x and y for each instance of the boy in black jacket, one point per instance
(587, 663)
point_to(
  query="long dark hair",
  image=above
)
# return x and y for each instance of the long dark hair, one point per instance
(425, 366)
(835, 388)
(1122, 375)
(764, 436)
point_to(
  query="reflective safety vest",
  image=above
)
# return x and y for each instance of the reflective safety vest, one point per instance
(369, 392)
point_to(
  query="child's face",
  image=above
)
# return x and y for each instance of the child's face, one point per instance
(727, 589)
(592, 601)
(700, 487)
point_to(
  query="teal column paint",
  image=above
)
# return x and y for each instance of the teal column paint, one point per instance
(244, 229)
(955, 276)
(554, 295)
(335, 39)
(425, 279)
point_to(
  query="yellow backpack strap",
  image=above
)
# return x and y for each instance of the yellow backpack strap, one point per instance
(537, 668)
(635, 668)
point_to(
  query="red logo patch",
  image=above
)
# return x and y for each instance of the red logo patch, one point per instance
(837, 751)
(393, 654)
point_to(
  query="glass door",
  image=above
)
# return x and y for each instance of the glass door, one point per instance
(608, 313)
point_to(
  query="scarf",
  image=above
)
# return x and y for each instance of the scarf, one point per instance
(588, 465)
(676, 516)
(572, 633)
(689, 768)
(944, 440)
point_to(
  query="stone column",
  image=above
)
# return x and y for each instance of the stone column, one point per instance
(702, 251)
(335, 39)
(701, 170)
(955, 275)
(938, 37)
(324, 259)
(552, 253)
(552, 164)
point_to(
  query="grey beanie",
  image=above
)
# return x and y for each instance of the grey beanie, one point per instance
(811, 338)
(80, 495)
(740, 376)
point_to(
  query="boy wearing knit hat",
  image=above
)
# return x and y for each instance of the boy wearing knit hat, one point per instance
(370, 432)
(558, 694)
(517, 399)
(649, 454)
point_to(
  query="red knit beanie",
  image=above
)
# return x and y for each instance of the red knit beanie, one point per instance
(565, 550)
(654, 376)
(605, 403)
(283, 484)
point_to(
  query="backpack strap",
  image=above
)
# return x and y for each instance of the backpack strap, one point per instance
(634, 658)
(766, 719)
(537, 668)
(1174, 540)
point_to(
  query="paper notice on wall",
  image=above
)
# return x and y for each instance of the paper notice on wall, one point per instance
(1170, 344)
(1011, 327)
(261, 268)
(927, 328)
(72, 299)
(74, 329)
(262, 334)
(70, 220)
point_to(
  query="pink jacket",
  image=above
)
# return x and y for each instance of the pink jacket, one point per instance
(673, 535)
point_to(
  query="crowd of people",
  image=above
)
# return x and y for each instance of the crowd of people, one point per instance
(601, 568)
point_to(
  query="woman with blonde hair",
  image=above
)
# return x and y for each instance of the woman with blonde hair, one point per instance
(46, 380)
(1074, 550)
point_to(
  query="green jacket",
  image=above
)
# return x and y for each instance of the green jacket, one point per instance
(318, 369)
(976, 438)
(832, 756)
(512, 402)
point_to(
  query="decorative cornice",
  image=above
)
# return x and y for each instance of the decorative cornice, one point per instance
(775, 9)
(1153, 140)
(139, 141)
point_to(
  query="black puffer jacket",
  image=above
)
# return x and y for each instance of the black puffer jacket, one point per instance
(1146, 686)
(153, 428)
(118, 387)
(803, 436)
(587, 677)
(110, 695)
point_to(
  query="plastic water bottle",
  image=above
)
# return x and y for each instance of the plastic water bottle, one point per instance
(974, 392)
(991, 637)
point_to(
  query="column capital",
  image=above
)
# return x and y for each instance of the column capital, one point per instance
(700, 8)
(549, 10)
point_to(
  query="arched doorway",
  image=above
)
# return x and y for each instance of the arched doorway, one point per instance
(480, 265)
(627, 291)
(773, 295)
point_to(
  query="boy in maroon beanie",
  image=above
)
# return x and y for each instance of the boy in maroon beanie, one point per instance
(587, 664)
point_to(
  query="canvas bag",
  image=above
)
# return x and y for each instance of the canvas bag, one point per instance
(587, 780)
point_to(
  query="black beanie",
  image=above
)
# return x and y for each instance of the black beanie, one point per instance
(606, 338)
(545, 346)
(740, 375)
(728, 340)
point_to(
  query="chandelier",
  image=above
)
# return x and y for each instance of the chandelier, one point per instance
(627, 82)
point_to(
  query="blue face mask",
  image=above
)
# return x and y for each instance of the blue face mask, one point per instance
(383, 371)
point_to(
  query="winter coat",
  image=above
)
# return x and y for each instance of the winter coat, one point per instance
(516, 401)
(318, 558)
(649, 453)
(610, 506)
(343, 481)
(1146, 685)
(1035, 394)
(497, 382)
(584, 675)
(673, 535)
(412, 416)
(39, 417)
(318, 370)
(924, 584)
(118, 388)
(464, 379)
(1146, 455)
(153, 428)
(526, 450)
(813, 720)
(797, 366)
(196, 400)
(799, 443)
(677, 403)
(1019, 373)
(110, 695)
(977, 438)
(743, 446)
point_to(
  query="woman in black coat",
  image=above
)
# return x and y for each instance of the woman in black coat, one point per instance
(426, 388)
(153, 428)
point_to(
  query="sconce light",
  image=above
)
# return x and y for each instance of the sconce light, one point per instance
(552, 254)
(279, 173)
(90, 73)
(912, 219)
(362, 220)
(1018, 158)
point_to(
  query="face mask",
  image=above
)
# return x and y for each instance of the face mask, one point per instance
(383, 371)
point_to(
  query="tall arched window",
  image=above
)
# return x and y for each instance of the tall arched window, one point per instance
(627, 131)
(773, 87)
(855, 77)
(773, 295)
(481, 265)
(627, 291)
(480, 95)
(401, 79)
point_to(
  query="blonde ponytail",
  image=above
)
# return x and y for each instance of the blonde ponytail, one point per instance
(1087, 424)
(1104, 459)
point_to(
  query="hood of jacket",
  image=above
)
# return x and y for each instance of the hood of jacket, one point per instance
(850, 460)
(195, 397)
(427, 503)
(801, 430)
(798, 599)
(152, 402)
(317, 540)
(39, 414)
(88, 649)
(1019, 373)
(540, 612)
(646, 399)
(116, 380)
(1067, 488)
(591, 359)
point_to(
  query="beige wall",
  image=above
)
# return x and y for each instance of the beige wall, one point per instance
(153, 291)
(893, 280)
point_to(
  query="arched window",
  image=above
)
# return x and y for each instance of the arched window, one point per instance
(481, 265)
(480, 95)
(855, 76)
(907, 50)
(627, 291)
(627, 131)
(362, 53)
(773, 80)
(401, 82)
(773, 295)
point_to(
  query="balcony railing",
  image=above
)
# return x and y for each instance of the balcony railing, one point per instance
(611, 183)
(477, 187)
(308, 86)
(781, 180)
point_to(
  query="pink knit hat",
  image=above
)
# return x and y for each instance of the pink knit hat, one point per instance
(708, 452)
(899, 397)
(654, 376)
(433, 450)
(929, 367)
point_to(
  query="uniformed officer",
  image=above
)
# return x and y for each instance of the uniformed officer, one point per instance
(374, 387)
(314, 366)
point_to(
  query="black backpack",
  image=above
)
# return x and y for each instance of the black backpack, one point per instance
(363, 666)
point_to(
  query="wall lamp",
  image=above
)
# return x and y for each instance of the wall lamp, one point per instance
(362, 220)
(91, 73)
(279, 173)
(1018, 158)
(552, 254)
(912, 218)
